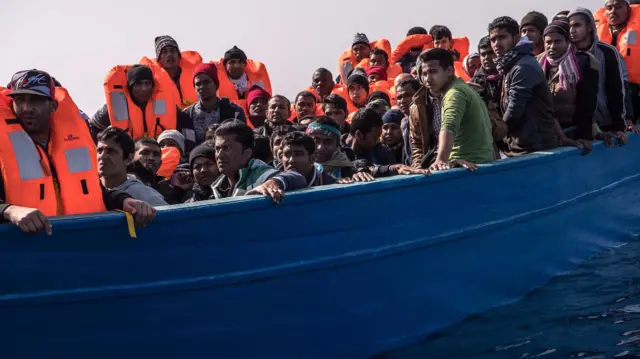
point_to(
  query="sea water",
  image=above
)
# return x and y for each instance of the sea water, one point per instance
(592, 312)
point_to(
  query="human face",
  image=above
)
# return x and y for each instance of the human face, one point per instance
(373, 78)
(231, 157)
(296, 158)
(370, 140)
(110, 159)
(169, 143)
(335, 113)
(435, 76)
(34, 112)
(404, 96)
(235, 68)
(278, 112)
(358, 94)
(532, 33)
(361, 51)
(276, 146)
(501, 41)
(391, 134)
(487, 58)
(322, 83)
(442, 43)
(169, 57)
(210, 135)
(205, 171)
(149, 156)
(580, 32)
(258, 107)
(142, 91)
(617, 12)
(378, 60)
(555, 45)
(473, 65)
(205, 87)
(326, 146)
(305, 106)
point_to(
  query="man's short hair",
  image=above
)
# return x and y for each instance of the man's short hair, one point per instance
(146, 141)
(120, 137)
(439, 32)
(337, 101)
(484, 43)
(417, 30)
(262, 148)
(298, 138)
(326, 120)
(323, 71)
(305, 94)
(243, 134)
(280, 131)
(507, 23)
(382, 53)
(415, 85)
(281, 97)
(365, 120)
(443, 56)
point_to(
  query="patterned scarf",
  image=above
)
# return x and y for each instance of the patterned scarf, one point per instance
(568, 68)
(506, 61)
(241, 84)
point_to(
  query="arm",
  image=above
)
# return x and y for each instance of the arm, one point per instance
(99, 121)
(586, 101)
(454, 106)
(290, 180)
(113, 199)
(523, 81)
(615, 88)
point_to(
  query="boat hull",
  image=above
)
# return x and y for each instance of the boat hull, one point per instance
(340, 272)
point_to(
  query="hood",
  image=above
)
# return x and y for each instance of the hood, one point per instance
(524, 46)
(131, 181)
(592, 22)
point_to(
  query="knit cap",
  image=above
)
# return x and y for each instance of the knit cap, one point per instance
(207, 68)
(204, 150)
(380, 71)
(172, 135)
(393, 116)
(360, 38)
(257, 92)
(536, 19)
(234, 53)
(560, 26)
(138, 73)
(165, 41)
(358, 79)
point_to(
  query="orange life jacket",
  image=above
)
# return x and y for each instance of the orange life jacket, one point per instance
(294, 115)
(393, 70)
(256, 75)
(411, 42)
(160, 112)
(599, 16)
(460, 71)
(347, 62)
(28, 169)
(461, 44)
(341, 91)
(170, 160)
(186, 96)
(384, 86)
(627, 42)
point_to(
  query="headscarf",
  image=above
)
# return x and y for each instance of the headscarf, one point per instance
(465, 62)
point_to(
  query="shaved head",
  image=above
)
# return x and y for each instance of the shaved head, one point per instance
(400, 78)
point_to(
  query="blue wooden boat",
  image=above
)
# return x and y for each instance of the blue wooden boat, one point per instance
(332, 272)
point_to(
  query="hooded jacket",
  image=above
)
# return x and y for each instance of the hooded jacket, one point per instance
(526, 102)
(614, 98)
(139, 191)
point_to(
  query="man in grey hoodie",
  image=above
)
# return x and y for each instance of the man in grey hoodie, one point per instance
(614, 108)
(115, 152)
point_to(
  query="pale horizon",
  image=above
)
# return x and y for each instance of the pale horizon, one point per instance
(77, 42)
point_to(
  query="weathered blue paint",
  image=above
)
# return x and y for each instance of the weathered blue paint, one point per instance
(332, 272)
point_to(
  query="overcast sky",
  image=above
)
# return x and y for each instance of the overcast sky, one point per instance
(79, 41)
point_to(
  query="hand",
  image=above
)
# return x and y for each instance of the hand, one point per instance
(407, 170)
(362, 177)
(607, 138)
(345, 180)
(622, 136)
(586, 146)
(472, 167)
(271, 188)
(183, 180)
(631, 127)
(29, 220)
(143, 212)
(439, 165)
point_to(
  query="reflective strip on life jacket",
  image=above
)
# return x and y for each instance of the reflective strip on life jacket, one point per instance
(120, 106)
(159, 107)
(78, 159)
(27, 156)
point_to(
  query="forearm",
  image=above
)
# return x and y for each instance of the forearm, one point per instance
(445, 145)
(114, 199)
(290, 180)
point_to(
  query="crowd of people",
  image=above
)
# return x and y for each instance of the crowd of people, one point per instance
(175, 129)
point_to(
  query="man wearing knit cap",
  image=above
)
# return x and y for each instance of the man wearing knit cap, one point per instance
(573, 82)
(257, 100)
(620, 28)
(361, 47)
(204, 171)
(614, 99)
(172, 138)
(392, 134)
(376, 73)
(168, 54)
(532, 26)
(209, 109)
(358, 88)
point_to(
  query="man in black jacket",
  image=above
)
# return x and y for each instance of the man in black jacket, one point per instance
(614, 108)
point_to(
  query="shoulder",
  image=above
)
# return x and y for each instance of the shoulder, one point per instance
(587, 62)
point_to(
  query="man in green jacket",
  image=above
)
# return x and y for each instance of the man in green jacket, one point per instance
(464, 132)
(244, 175)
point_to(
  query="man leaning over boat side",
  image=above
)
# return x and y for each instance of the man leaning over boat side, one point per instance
(241, 174)
(48, 159)
(459, 125)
